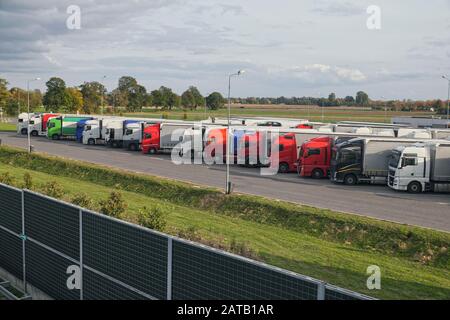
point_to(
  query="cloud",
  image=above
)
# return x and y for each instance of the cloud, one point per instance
(337, 8)
(323, 74)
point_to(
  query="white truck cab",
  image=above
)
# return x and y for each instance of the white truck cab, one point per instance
(420, 167)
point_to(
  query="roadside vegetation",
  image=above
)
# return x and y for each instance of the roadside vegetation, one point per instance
(328, 245)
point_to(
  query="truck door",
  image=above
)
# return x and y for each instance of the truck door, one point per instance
(412, 166)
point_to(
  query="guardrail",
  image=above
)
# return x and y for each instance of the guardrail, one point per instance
(69, 252)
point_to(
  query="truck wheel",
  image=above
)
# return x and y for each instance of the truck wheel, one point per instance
(115, 144)
(350, 179)
(283, 168)
(91, 142)
(132, 147)
(55, 137)
(152, 151)
(317, 174)
(34, 133)
(23, 131)
(414, 187)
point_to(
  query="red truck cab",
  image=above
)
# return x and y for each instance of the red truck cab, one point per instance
(315, 157)
(151, 139)
(216, 140)
(287, 153)
(304, 126)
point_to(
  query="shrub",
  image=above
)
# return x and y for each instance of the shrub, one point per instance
(83, 200)
(114, 206)
(165, 115)
(185, 115)
(27, 181)
(6, 178)
(242, 249)
(152, 218)
(53, 189)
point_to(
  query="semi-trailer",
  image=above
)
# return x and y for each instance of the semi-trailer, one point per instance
(420, 167)
(63, 127)
(363, 159)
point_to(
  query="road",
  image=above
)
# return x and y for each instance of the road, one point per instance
(426, 210)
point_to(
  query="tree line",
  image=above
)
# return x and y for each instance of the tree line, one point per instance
(90, 97)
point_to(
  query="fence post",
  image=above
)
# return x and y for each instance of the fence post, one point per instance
(321, 291)
(169, 268)
(81, 254)
(24, 238)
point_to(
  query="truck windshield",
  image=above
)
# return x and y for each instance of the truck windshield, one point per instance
(51, 125)
(87, 128)
(394, 159)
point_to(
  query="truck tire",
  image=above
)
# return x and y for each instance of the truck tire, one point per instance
(34, 133)
(317, 174)
(283, 167)
(132, 147)
(414, 187)
(24, 131)
(55, 137)
(152, 151)
(350, 179)
(115, 144)
(91, 141)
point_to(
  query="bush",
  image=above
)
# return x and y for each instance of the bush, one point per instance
(242, 249)
(6, 178)
(165, 115)
(83, 200)
(27, 181)
(53, 189)
(185, 115)
(114, 206)
(152, 218)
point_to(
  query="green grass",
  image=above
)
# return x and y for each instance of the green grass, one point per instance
(7, 126)
(327, 245)
(312, 113)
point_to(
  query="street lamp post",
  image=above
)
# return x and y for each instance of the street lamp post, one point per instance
(101, 106)
(228, 182)
(448, 97)
(28, 102)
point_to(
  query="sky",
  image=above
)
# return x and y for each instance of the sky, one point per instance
(287, 47)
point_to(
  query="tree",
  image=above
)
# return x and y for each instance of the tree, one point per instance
(332, 97)
(130, 94)
(349, 100)
(75, 100)
(215, 101)
(137, 97)
(188, 99)
(92, 96)
(4, 93)
(362, 98)
(56, 96)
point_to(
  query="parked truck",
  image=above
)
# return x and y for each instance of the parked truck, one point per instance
(363, 159)
(115, 132)
(420, 167)
(163, 137)
(63, 127)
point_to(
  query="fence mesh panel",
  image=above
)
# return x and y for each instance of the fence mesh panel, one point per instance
(129, 254)
(11, 208)
(11, 253)
(53, 223)
(331, 294)
(48, 272)
(96, 287)
(200, 273)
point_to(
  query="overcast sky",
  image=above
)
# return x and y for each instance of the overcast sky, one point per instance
(287, 47)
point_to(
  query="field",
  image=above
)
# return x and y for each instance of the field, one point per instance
(7, 126)
(323, 244)
(312, 113)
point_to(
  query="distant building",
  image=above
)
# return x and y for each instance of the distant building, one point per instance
(422, 122)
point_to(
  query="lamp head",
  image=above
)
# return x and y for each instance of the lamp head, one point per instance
(241, 72)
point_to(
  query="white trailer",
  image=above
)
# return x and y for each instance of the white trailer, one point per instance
(95, 130)
(420, 167)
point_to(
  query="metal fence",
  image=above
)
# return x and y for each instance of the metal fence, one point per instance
(45, 242)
